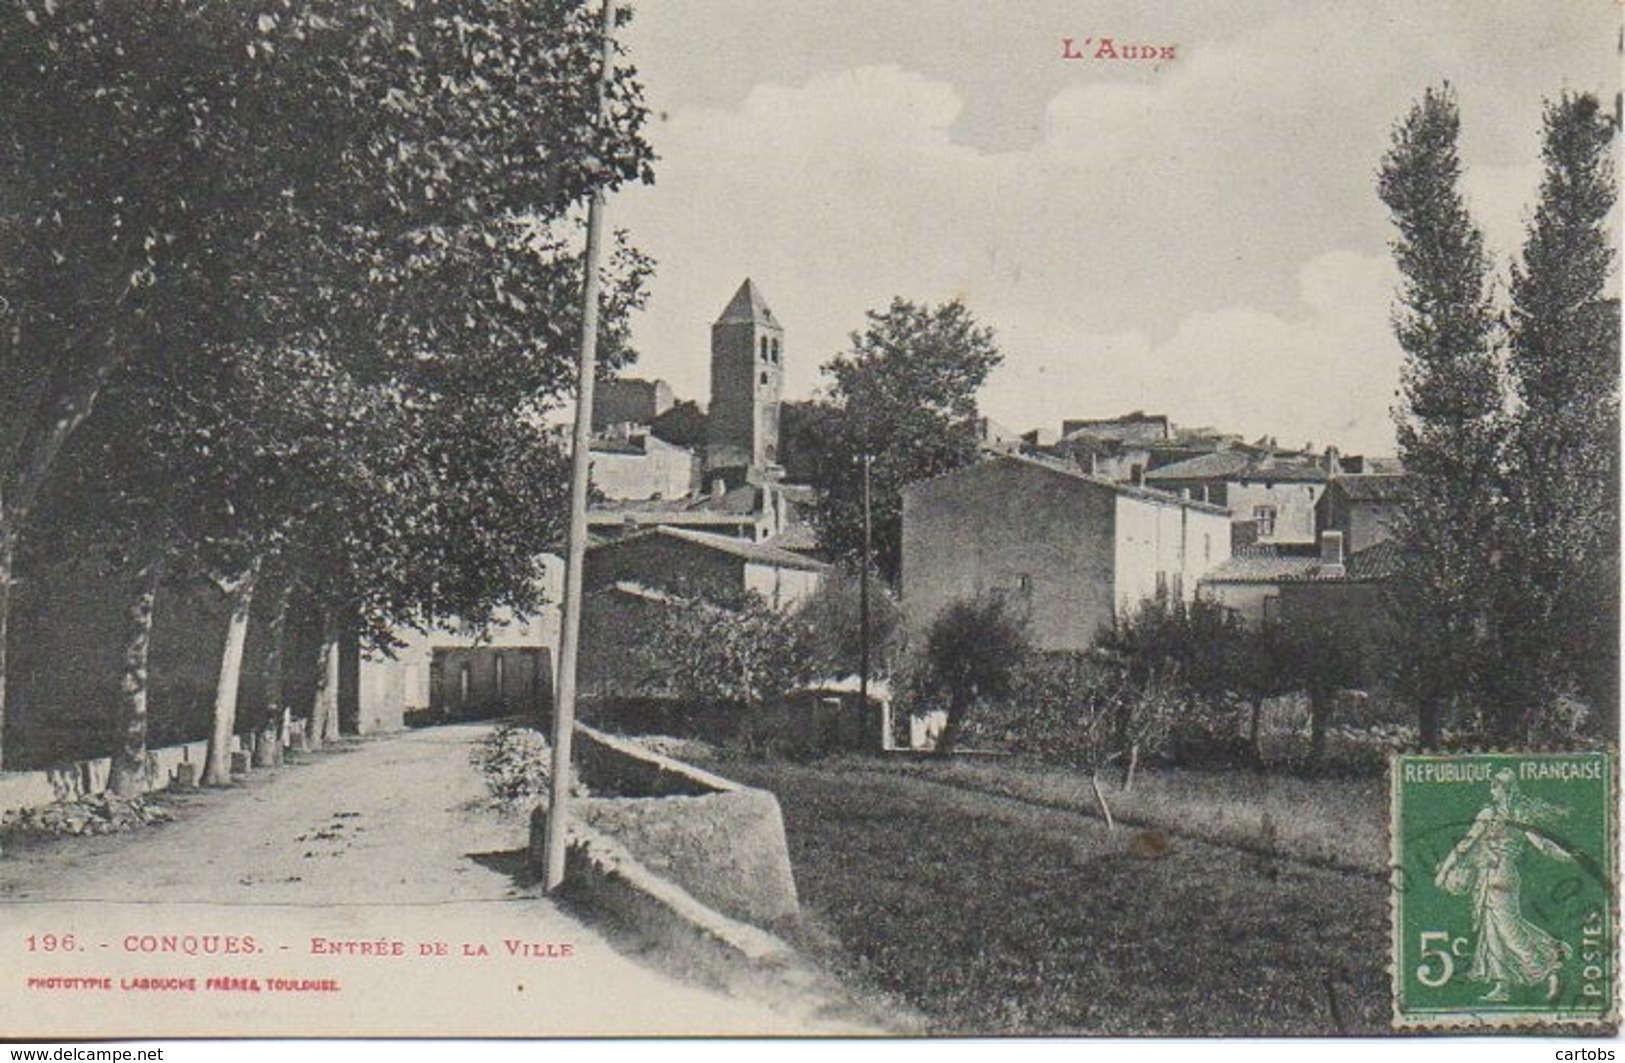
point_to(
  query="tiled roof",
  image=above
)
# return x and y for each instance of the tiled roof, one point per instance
(747, 306)
(799, 536)
(1264, 564)
(1261, 564)
(757, 553)
(1220, 465)
(738, 503)
(1275, 470)
(1237, 464)
(1068, 468)
(1374, 564)
(1371, 487)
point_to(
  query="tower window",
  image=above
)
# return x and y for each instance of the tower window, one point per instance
(764, 378)
(775, 351)
(765, 342)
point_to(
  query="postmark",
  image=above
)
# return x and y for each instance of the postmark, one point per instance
(1504, 890)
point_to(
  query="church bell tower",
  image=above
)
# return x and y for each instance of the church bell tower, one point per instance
(747, 382)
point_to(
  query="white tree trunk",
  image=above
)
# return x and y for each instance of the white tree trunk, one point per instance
(324, 716)
(128, 775)
(217, 769)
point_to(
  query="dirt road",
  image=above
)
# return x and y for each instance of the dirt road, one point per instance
(367, 891)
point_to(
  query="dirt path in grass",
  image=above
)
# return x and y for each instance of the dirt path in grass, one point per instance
(997, 916)
(387, 843)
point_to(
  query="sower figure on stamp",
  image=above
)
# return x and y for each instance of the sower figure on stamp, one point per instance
(1511, 950)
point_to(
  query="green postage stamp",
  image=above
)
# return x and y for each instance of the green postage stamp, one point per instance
(1504, 890)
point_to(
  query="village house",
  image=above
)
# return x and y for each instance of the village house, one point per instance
(456, 670)
(690, 563)
(1364, 508)
(1073, 550)
(635, 463)
(631, 581)
(1271, 497)
(1332, 588)
(629, 401)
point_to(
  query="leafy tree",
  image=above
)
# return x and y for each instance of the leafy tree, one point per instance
(973, 652)
(904, 393)
(833, 616)
(381, 194)
(1084, 710)
(1450, 422)
(746, 653)
(128, 188)
(1558, 604)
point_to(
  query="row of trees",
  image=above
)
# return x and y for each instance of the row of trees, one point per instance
(1509, 430)
(1171, 668)
(287, 297)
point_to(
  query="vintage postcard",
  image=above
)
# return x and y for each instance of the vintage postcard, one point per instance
(1078, 520)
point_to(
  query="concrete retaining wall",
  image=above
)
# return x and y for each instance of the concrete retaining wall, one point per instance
(721, 842)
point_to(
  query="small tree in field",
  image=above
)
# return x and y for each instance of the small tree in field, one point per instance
(973, 652)
(1085, 710)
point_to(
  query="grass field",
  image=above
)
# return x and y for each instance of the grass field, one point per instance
(994, 915)
(1339, 823)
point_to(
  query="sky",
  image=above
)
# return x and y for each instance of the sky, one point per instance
(1197, 236)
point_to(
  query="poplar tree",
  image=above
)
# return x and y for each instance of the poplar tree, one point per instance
(1558, 603)
(1450, 419)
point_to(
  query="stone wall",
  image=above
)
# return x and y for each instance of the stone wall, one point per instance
(721, 842)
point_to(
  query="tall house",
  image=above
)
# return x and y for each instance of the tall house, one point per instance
(747, 380)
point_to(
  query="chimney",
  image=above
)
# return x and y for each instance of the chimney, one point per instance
(1331, 555)
(1334, 462)
(719, 487)
(1136, 474)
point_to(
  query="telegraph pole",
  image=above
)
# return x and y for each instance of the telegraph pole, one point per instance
(863, 599)
(564, 706)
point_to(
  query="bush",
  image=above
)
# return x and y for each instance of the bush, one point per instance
(516, 763)
(1082, 710)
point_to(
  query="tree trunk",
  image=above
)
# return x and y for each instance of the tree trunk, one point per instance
(1255, 748)
(217, 769)
(1430, 721)
(1133, 762)
(951, 728)
(1100, 796)
(268, 750)
(1320, 717)
(128, 776)
(324, 714)
(8, 551)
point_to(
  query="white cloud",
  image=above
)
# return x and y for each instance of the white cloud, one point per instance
(1202, 238)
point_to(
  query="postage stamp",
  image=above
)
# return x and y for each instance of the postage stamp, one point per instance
(1504, 890)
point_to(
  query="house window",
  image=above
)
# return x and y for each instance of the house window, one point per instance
(1264, 517)
(501, 675)
(464, 683)
(1272, 609)
(1207, 548)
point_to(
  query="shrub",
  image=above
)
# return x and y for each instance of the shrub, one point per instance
(516, 763)
(973, 652)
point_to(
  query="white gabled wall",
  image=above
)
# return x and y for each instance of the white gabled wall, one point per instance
(1178, 541)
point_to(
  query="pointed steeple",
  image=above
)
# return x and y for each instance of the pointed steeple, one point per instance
(747, 307)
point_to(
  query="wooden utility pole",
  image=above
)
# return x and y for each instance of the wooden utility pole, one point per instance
(863, 600)
(564, 706)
